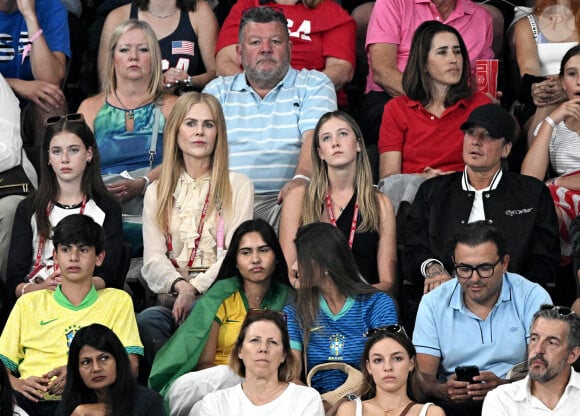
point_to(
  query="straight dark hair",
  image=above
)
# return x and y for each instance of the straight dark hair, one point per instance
(416, 80)
(80, 230)
(480, 232)
(91, 185)
(6, 393)
(573, 51)
(120, 393)
(229, 265)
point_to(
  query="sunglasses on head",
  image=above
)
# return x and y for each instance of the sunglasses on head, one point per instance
(74, 117)
(560, 310)
(253, 312)
(389, 329)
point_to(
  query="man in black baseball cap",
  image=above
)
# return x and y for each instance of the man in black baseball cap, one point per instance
(520, 205)
(493, 118)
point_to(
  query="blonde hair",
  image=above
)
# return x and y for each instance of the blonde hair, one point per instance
(313, 204)
(173, 164)
(155, 87)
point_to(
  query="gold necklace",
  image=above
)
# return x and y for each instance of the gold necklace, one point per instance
(165, 16)
(385, 411)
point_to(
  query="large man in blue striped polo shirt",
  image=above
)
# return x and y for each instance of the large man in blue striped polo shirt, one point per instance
(271, 110)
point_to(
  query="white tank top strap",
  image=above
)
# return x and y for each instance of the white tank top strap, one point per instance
(424, 409)
(358, 408)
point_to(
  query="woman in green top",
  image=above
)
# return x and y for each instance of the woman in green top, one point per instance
(204, 341)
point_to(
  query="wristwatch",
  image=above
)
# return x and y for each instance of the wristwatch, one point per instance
(432, 269)
(350, 397)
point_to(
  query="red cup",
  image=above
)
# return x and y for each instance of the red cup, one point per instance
(486, 73)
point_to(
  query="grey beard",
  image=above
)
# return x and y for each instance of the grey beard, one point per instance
(266, 80)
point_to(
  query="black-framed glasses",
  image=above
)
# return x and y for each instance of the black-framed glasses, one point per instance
(266, 313)
(68, 117)
(484, 270)
(389, 329)
(560, 310)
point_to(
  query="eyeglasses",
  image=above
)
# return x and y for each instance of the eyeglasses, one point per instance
(75, 117)
(266, 313)
(560, 310)
(484, 270)
(389, 329)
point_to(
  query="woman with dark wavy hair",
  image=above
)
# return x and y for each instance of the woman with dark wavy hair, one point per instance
(70, 183)
(99, 379)
(391, 379)
(420, 132)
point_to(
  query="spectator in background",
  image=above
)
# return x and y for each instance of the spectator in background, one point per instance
(556, 147)
(99, 380)
(341, 193)
(321, 32)
(35, 342)
(333, 306)
(390, 32)
(391, 377)
(420, 132)
(271, 110)
(194, 361)
(35, 40)
(189, 215)
(518, 205)
(11, 155)
(491, 309)
(70, 183)
(128, 117)
(261, 357)
(541, 39)
(187, 32)
(552, 386)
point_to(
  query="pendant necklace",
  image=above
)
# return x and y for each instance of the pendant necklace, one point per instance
(129, 112)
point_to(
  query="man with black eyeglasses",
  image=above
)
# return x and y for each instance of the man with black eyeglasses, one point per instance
(480, 318)
(552, 386)
(487, 191)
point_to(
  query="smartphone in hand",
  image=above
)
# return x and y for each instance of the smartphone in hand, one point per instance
(466, 373)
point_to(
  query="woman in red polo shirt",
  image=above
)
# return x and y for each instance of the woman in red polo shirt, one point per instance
(420, 131)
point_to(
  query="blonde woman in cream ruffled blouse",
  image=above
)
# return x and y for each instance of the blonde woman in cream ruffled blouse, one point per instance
(189, 215)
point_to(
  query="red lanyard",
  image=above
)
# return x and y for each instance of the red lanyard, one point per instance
(197, 240)
(333, 221)
(42, 241)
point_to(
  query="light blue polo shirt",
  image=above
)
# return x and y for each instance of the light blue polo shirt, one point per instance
(445, 328)
(265, 134)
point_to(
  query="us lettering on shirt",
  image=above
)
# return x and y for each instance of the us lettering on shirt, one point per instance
(303, 31)
(182, 63)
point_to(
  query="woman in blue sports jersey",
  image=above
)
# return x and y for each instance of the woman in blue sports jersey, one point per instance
(334, 307)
